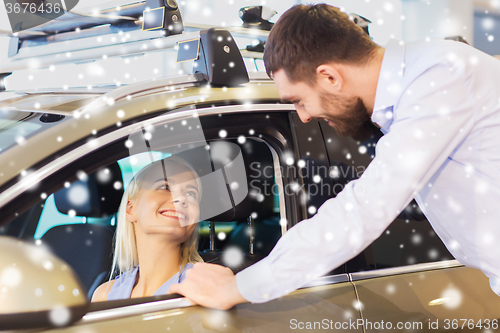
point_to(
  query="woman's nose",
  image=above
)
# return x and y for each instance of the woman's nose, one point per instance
(179, 198)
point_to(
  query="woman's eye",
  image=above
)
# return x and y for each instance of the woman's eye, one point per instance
(192, 193)
(163, 187)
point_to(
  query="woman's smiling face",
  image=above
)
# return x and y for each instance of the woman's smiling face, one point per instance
(167, 205)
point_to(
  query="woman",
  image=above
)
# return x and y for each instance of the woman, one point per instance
(157, 231)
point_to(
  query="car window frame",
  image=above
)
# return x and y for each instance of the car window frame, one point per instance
(279, 144)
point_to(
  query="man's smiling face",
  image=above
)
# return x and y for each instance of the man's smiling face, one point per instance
(346, 114)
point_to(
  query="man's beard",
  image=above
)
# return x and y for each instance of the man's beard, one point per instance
(352, 117)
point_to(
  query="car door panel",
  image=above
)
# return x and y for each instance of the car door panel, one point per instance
(327, 306)
(437, 299)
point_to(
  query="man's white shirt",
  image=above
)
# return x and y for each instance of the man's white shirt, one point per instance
(438, 104)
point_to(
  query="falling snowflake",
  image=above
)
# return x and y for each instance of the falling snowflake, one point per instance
(433, 254)
(416, 239)
(357, 305)
(78, 195)
(390, 289)
(48, 265)
(81, 175)
(11, 277)
(217, 319)
(452, 298)
(60, 316)
(232, 257)
(103, 176)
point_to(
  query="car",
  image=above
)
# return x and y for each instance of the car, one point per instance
(66, 155)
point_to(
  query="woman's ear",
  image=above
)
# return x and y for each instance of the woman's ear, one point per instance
(130, 211)
(329, 78)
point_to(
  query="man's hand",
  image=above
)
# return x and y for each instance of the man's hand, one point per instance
(210, 285)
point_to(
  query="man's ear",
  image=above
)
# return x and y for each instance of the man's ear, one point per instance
(130, 211)
(329, 78)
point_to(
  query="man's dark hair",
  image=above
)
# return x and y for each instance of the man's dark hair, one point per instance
(307, 36)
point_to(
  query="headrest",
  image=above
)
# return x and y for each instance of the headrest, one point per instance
(233, 186)
(257, 163)
(318, 184)
(95, 195)
(223, 179)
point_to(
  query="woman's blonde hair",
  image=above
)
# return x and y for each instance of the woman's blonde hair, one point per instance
(125, 252)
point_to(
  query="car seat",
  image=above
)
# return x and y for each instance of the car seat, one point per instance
(87, 247)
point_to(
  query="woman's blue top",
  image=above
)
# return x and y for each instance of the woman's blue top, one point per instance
(124, 283)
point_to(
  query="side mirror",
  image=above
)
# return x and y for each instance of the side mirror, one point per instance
(36, 288)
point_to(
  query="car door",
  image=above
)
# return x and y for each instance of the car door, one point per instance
(414, 283)
(329, 302)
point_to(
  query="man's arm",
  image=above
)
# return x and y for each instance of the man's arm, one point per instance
(428, 126)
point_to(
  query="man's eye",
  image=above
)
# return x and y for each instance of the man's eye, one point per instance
(192, 193)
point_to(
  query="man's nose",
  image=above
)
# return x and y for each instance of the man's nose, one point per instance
(304, 117)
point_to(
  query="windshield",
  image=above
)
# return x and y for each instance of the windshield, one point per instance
(17, 126)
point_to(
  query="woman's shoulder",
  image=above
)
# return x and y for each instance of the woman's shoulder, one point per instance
(101, 293)
(182, 274)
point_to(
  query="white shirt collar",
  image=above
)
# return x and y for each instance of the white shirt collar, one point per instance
(389, 83)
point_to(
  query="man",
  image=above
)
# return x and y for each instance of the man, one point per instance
(438, 105)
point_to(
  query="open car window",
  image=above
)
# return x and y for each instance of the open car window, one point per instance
(77, 219)
(409, 239)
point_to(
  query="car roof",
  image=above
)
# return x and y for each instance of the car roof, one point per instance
(88, 115)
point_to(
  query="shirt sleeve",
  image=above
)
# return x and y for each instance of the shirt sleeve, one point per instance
(432, 117)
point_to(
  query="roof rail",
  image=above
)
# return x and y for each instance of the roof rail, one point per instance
(121, 39)
(139, 88)
(128, 41)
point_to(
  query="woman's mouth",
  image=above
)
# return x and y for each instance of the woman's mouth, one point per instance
(173, 214)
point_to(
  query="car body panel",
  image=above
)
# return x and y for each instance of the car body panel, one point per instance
(334, 302)
(436, 296)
